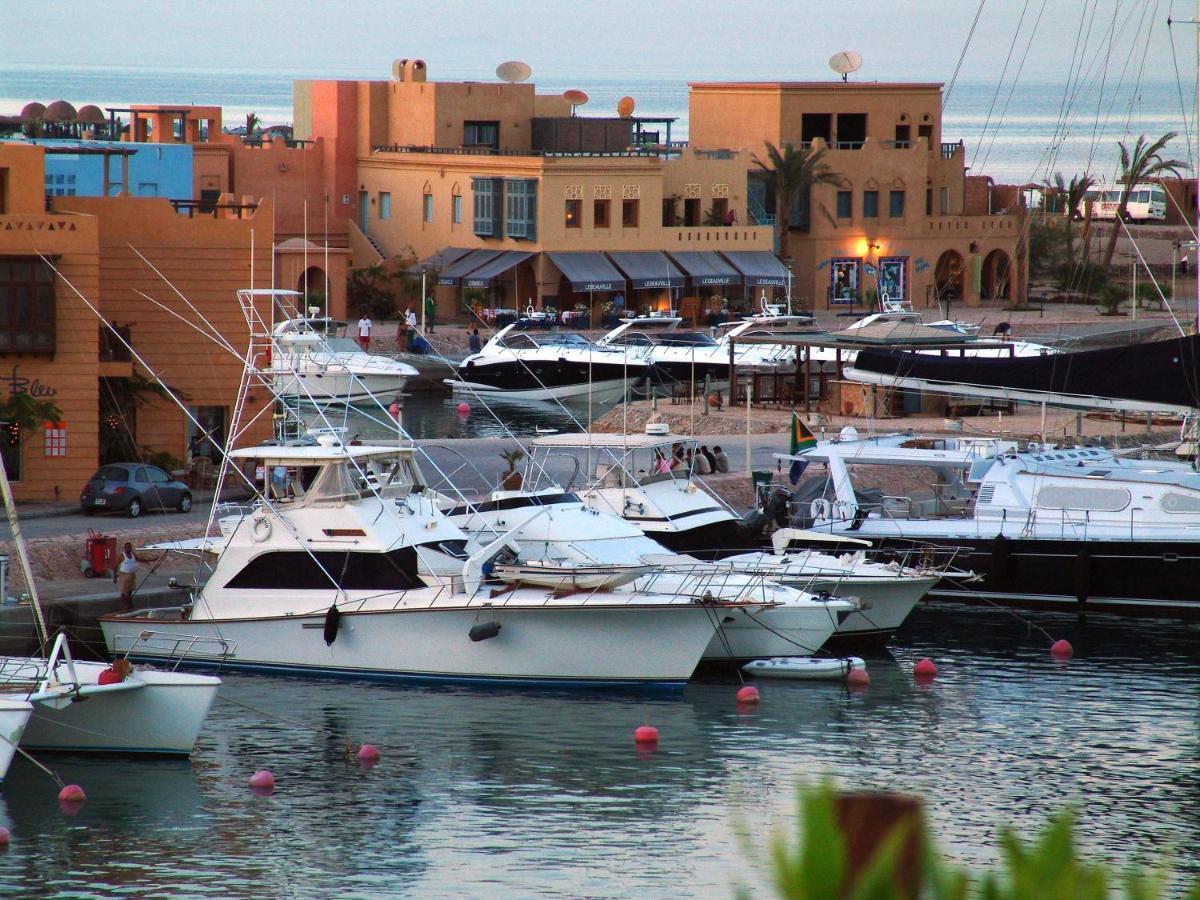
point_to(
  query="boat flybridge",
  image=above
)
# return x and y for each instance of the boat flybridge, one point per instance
(519, 365)
(333, 573)
(311, 362)
(1044, 526)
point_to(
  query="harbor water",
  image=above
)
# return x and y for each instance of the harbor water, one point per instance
(524, 793)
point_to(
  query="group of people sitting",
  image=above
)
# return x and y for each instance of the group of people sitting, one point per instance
(703, 461)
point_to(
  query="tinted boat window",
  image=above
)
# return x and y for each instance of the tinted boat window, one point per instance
(352, 570)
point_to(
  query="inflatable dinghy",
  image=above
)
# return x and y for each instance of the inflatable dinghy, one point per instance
(803, 667)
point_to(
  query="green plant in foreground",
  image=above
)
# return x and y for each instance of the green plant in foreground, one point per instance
(816, 865)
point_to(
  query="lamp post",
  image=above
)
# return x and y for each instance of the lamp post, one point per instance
(788, 264)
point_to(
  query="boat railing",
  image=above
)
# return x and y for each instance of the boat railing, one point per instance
(177, 647)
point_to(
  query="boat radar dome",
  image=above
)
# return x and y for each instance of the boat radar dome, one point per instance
(844, 62)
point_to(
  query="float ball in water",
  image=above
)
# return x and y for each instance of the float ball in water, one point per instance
(645, 735)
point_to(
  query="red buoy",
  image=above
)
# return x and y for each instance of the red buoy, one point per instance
(4, 836)
(108, 676)
(1062, 649)
(748, 694)
(262, 780)
(858, 678)
(645, 734)
(463, 408)
(71, 793)
(924, 669)
(368, 752)
(394, 410)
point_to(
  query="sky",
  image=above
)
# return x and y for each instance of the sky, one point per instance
(767, 39)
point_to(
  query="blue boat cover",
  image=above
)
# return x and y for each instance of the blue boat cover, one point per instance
(453, 273)
(759, 268)
(588, 271)
(706, 268)
(493, 268)
(648, 270)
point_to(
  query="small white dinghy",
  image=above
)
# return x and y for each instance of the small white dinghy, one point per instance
(565, 577)
(804, 668)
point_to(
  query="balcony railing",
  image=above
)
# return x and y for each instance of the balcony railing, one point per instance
(488, 151)
(194, 208)
(948, 150)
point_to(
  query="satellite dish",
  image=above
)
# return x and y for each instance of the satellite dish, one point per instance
(513, 71)
(575, 98)
(625, 107)
(844, 62)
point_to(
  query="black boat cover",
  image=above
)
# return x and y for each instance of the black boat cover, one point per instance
(1156, 372)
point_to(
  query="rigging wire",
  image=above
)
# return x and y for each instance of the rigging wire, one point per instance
(962, 55)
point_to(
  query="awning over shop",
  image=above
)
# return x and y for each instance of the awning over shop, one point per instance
(482, 277)
(648, 270)
(588, 271)
(759, 268)
(706, 268)
(457, 270)
(439, 261)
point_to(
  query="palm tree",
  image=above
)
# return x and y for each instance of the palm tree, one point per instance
(1072, 194)
(791, 172)
(1143, 163)
(252, 123)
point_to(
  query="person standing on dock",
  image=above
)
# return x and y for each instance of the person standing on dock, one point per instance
(473, 340)
(364, 331)
(126, 575)
(430, 309)
(402, 334)
(412, 327)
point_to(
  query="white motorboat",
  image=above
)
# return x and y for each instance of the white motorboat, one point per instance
(347, 567)
(14, 715)
(565, 531)
(519, 365)
(309, 363)
(804, 668)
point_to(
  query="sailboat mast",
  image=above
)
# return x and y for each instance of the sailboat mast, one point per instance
(10, 508)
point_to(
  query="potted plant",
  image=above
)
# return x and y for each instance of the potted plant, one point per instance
(511, 479)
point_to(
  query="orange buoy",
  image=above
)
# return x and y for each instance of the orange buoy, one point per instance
(71, 793)
(748, 694)
(645, 734)
(1062, 649)
(858, 678)
(368, 752)
(924, 669)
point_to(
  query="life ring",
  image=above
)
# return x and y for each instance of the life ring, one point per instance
(821, 509)
(261, 529)
(841, 510)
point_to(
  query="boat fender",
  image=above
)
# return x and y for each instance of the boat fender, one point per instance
(841, 511)
(484, 631)
(1001, 560)
(261, 530)
(821, 509)
(1083, 575)
(332, 623)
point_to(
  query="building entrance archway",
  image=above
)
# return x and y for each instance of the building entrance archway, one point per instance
(996, 277)
(948, 277)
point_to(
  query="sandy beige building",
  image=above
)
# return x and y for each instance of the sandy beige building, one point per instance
(898, 221)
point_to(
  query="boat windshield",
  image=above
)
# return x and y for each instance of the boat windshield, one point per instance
(565, 339)
(683, 339)
(517, 341)
(642, 465)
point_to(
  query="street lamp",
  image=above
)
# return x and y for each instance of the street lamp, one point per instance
(789, 284)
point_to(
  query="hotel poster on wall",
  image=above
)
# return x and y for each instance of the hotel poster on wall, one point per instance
(893, 278)
(843, 281)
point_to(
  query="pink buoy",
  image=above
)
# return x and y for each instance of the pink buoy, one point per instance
(394, 410)
(645, 734)
(368, 752)
(262, 780)
(71, 793)
(1062, 649)
(925, 669)
(858, 678)
(748, 694)
(463, 408)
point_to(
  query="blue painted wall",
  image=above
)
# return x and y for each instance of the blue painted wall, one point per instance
(155, 170)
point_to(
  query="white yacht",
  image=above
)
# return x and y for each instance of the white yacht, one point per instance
(520, 365)
(14, 715)
(571, 540)
(1044, 526)
(347, 567)
(309, 363)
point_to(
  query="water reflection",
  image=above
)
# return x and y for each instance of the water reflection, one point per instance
(509, 792)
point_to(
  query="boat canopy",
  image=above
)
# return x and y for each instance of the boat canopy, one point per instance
(759, 268)
(588, 271)
(649, 270)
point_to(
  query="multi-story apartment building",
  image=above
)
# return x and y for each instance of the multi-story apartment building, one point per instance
(896, 221)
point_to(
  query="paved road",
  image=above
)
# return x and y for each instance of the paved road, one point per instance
(77, 523)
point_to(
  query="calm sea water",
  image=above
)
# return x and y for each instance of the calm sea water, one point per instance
(1038, 129)
(505, 793)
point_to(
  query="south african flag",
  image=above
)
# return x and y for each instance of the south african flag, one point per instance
(802, 441)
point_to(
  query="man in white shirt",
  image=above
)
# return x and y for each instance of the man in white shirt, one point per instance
(700, 463)
(364, 332)
(126, 575)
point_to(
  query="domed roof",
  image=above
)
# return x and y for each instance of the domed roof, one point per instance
(91, 115)
(32, 112)
(60, 111)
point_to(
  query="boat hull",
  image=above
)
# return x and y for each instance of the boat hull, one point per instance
(163, 717)
(14, 717)
(338, 387)
(606, 388)
(782, 630)
(569, 645)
